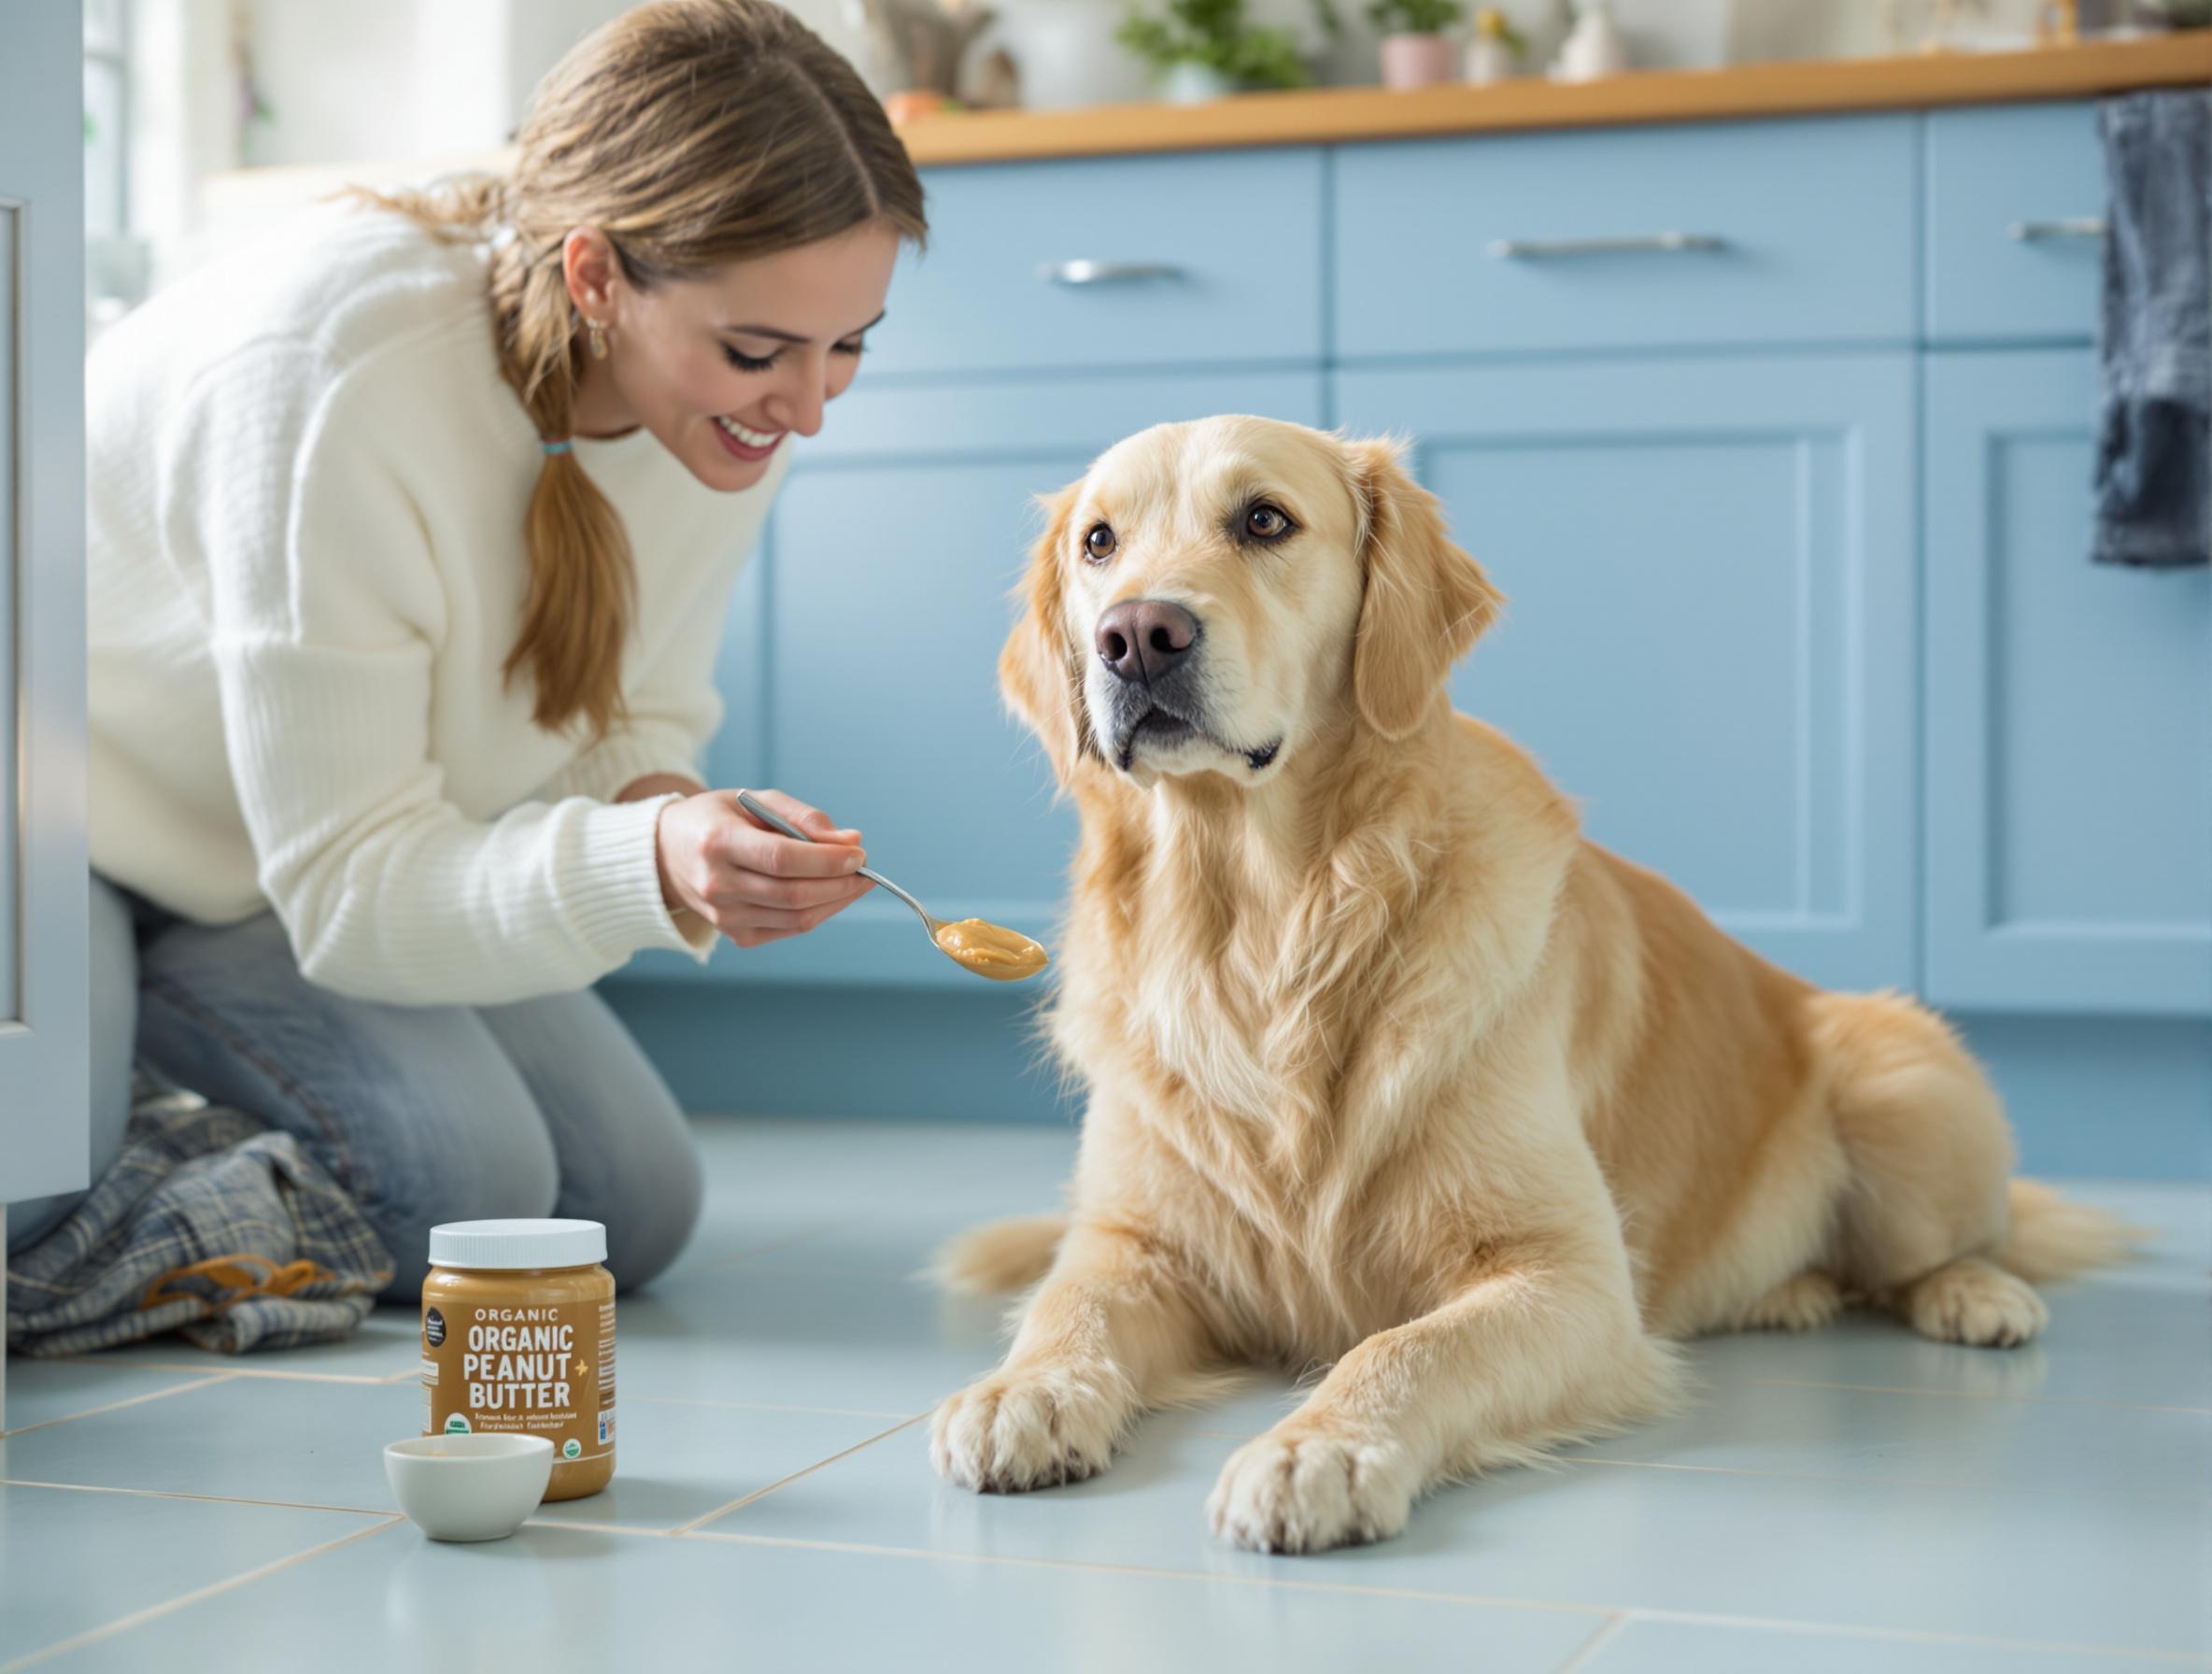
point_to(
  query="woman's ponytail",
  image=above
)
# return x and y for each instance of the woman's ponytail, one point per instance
(583, 581)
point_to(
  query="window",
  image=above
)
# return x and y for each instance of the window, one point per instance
(114, 259)
(106, 119)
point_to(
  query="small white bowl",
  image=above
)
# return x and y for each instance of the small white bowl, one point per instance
(468, 1487)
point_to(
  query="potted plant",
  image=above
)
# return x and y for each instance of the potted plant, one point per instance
(1203, 49)
(1415, 50)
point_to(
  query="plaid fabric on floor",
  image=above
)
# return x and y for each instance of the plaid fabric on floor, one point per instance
(209, 1224)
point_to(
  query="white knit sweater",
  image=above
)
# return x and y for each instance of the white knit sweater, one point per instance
(307, 484)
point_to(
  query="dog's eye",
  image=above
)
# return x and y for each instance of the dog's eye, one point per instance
(1266, 522)
(1099, 543)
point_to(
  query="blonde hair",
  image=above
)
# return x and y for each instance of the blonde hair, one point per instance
(692, 132)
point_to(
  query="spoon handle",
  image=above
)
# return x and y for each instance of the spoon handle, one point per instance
(767, 816)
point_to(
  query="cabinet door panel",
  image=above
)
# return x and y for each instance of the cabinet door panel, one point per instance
(2069, 716)
(10, 557)
(44, 1058)
(1709, 636)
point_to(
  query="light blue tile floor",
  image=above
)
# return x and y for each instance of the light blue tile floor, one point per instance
(1854, 1500)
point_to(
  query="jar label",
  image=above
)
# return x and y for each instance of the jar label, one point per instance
(545, 1369)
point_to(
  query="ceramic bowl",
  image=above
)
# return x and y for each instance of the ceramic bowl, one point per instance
(468, 1487)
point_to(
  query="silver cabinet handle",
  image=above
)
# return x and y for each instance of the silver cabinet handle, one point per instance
(2080, 226)
(1521, 250)
(1105, 273)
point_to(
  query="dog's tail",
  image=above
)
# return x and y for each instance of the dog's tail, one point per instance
(2052, 1239)
(1000, 1256)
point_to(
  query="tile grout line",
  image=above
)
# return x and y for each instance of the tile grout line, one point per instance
(679, 1400)
(1592, 1645)
(722, 1262)
(1886, 1481)
(1964, 1395)
(1566, 1606)
(743, 1500)
(151, 1395)
(215, 1499)
(2186, 1659)
(1203, 1577)
(236, 1371)
(153, 1613)
(600, 1528)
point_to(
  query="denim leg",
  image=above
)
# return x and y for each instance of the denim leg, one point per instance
(627, 1155)
(113, 958)
(414, 1109)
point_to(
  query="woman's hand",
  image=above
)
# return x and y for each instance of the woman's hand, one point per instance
(753, 885)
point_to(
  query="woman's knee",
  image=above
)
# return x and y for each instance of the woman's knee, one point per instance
(627, 1155)
(505, 1170)
(652, 1205)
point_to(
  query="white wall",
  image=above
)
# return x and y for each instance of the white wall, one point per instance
(432, 78)
(418, 78)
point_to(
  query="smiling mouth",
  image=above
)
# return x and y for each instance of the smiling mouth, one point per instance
(1165, 727)
(744, 441)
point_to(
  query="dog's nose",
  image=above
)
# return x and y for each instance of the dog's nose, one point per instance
(1142, 639)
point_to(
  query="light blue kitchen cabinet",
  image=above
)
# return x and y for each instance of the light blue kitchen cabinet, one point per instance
(1711, 629)
(45, 1114)
(1715, 235)
(2069, 716)
(861, 660)
(2015, 223)
(11, 219)
(44, 1125)
(1109, 262)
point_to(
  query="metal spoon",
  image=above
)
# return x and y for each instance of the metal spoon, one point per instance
(935, 926)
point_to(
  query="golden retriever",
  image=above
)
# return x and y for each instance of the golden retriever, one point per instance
(1388, 1068)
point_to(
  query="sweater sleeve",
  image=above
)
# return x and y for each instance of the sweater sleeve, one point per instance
(325, 609)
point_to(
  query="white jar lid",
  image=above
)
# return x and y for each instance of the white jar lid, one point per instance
(507, 1244)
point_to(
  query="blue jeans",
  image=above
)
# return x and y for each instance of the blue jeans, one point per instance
(423, 1113)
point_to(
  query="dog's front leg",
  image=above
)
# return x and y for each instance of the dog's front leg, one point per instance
(1542, 1344)
(1111, 1332)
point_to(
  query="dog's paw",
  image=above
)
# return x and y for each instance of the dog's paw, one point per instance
(1306, 1492)
(1972, 1302)
(1799, 1304)
(1028, 1429)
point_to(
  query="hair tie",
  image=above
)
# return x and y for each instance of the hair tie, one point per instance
(557, 447)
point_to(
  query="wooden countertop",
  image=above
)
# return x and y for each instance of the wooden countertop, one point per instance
(1344, 114)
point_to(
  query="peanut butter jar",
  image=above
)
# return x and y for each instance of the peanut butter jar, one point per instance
(518, 1335)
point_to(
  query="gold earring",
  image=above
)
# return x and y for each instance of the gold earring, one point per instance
(596, 336)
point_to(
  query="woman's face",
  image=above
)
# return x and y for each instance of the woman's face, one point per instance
(722, 369)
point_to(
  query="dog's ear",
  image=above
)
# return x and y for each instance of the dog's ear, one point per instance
(1039, 671)
(1425, 600)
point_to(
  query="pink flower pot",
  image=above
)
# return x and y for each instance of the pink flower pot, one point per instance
(1418, 61)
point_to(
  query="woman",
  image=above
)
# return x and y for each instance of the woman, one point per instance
(412, 531)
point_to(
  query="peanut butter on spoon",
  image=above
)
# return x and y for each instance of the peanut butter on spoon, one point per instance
(990, 950)
(975, 944)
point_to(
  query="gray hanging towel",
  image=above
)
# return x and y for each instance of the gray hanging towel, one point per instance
(2154, 441)
(209, 1224)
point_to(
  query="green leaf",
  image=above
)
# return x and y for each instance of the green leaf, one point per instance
(1414, 17)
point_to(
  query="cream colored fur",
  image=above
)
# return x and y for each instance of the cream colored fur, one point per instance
(1390, 1070)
